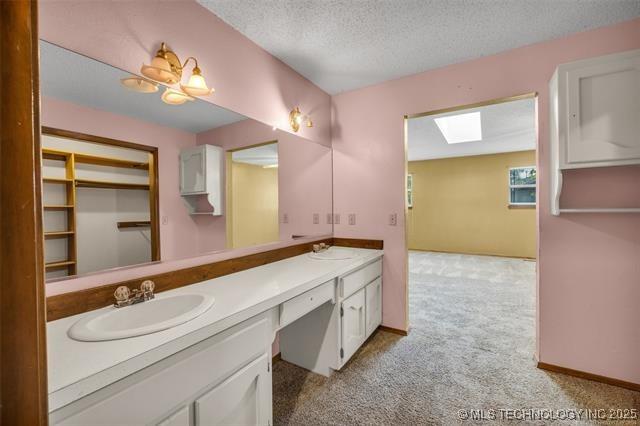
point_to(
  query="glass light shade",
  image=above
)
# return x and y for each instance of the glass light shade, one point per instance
(196, 86)
(175, 97)
(159, 70)
(140, 85)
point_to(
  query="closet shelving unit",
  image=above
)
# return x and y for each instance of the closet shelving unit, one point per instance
(71, 182)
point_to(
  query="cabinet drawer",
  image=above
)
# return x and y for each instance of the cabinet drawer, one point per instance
(297, 307)
(358, 279)
(152, 394)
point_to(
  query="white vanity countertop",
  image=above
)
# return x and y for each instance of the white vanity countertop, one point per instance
(79, 368)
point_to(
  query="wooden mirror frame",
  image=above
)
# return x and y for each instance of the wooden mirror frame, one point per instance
(154, 208)
(23, 346)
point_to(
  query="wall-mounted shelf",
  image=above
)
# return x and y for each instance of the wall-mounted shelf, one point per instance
(85, 183)
(57, 180)
(58, 234)
(136, 224)
(57, 206)
(53, 154)
(59, 265)
(581, 94)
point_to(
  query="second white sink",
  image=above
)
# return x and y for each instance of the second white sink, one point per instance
(143, 318)
(334, 253)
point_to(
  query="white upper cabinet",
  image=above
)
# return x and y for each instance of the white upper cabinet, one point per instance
(594, 118)
(598, 111)
(193, 170)
(201, 170)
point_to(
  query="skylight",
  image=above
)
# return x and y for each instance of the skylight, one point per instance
(460, 128)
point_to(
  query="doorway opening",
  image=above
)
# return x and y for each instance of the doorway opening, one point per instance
(252, 195)
(471, 226)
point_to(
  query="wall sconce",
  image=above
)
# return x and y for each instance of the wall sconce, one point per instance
(166, 68)
(296, 118)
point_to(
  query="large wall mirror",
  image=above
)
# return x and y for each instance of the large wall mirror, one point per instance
(130, 179)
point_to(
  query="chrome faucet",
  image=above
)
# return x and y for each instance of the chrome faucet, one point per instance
(317, 248)
(126, 297)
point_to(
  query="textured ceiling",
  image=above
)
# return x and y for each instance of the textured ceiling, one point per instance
(68, 76)
(264, 155)
(347, 44)
(506, 127)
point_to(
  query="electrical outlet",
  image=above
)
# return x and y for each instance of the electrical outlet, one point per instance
(352, 218)
(329, 218)
(336, 219)
(316, 218)
(285, 218)
(393, 219)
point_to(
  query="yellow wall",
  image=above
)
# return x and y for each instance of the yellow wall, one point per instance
(253, 203)
(461, 205)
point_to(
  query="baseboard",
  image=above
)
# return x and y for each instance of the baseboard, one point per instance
(473, 254)
(589, 376)
(393, 330)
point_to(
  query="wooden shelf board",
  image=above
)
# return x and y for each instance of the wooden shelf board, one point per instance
(134, 224)
(54, 154)
(58, 234)
(84, 183)
(56, 180)
(109, 161)
(60, 264)
(58, 206)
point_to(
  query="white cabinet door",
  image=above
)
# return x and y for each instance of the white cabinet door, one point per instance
(242, 399)
(373, 308)
(179, 418)
(193, 170)
(353, 324)
(604, 110)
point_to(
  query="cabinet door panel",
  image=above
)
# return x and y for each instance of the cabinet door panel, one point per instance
(149, 395)
(242, 399)
(604, 111)
(353, 324)
(374, 305)
(179, 418)
(192, 170)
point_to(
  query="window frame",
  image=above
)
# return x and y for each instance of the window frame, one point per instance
(510, 186)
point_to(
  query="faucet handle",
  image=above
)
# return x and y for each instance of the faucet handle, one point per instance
(147, 286)
(122, 293)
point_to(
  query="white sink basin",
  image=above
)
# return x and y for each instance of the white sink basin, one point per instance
(143, 318)
(334, 253)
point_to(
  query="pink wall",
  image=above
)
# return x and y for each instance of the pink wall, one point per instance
(178, 234)
(304, 179)
(247, 79)
(588, 285)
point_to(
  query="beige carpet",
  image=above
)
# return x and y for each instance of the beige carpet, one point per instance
(470, 347)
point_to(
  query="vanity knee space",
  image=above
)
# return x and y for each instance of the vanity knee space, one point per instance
(325, 338)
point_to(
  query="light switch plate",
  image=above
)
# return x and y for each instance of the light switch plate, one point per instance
(165, 220)
(285, 218)
(329, 218)
(316, 218)
(352, 218)
(336, 219)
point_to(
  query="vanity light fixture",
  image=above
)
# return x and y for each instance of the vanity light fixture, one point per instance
(139, 84)
(166, 68)
(175, 97)
(296, 118)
